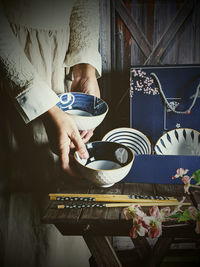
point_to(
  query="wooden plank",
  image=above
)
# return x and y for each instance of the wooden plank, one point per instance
(170, 189)
(102, 251)
(195, 195)
(113, 35)
(170, 32)
(72, 215)
(103, 214)
(142, 248)
(159, 251)
(133, 27)
(196, 31)
(105, 34)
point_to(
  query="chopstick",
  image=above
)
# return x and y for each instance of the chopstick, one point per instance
(110, 198)
(116, 205)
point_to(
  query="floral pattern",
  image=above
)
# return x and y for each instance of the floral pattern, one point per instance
(151, 225)
(141, 82)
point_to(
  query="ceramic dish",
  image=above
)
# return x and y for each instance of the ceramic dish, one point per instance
(183, 141)
(88, 111)
(132, 138)
(108, 163)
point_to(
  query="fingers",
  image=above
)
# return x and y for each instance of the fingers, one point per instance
(79, 144)
(87, 136)
(64, 155)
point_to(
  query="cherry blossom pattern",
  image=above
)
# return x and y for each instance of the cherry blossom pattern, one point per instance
(141, 82)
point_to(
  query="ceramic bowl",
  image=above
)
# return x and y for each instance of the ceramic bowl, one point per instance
(88, 111)
(182, 141)
(132, 138)
(108, 163)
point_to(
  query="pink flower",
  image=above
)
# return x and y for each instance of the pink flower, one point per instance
(186, 180)
(165, 213)
(180, 172)
(154, 226)
(134, 212)
(155, 212)
(138, 229)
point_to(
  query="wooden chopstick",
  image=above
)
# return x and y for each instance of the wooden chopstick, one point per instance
(109, 198)
(116, 205)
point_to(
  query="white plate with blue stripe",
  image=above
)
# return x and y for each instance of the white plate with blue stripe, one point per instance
(130, 137)
(182, 141)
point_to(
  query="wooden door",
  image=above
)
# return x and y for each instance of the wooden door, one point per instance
(143, 32)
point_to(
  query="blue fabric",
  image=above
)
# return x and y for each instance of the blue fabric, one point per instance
(148, 110)
(160, 169)
(148, 115)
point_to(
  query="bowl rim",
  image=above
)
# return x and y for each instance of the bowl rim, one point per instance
(79, 116)
(177, 129)
(130, 130)
(131, 162)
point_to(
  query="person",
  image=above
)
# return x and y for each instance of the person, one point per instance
(46, 48)
(36, 50)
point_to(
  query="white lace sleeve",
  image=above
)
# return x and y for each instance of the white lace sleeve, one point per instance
(84, 35)
(31, 95)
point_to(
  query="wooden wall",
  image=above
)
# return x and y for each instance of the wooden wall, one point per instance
(141, 32)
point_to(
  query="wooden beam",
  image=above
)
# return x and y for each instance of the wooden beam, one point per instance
(133, 28)
(159, 251)
(170, 33)
(142, 248)
(100, 245)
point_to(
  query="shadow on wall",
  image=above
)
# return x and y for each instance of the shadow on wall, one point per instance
(114, 88)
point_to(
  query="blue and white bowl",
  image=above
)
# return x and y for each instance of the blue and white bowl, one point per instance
(88, 111)
(182, 141)
(132, 138)
(108, 163)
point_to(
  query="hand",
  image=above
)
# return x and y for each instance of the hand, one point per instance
(63, 135)
(85, 81)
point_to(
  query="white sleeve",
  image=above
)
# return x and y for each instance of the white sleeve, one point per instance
(84, 35)
(31, 95)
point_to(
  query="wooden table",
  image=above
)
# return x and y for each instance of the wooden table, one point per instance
(96, 225)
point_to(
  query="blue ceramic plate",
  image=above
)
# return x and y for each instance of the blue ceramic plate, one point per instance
(182, 141)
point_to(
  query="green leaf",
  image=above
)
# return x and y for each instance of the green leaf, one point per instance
(177, 215)
(185, 216)
(196, 176)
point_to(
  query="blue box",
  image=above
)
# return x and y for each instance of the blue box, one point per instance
(150, 114)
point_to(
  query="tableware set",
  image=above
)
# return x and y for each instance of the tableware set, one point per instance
(111, 159)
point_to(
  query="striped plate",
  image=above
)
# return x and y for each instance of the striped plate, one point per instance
(132, 138)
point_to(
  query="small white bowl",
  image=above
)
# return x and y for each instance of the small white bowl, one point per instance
(132, 138)
(88, 111)
(108, 163)
(182, 141)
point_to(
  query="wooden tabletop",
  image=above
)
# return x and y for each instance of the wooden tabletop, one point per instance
(97, 224)
(110, 221)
